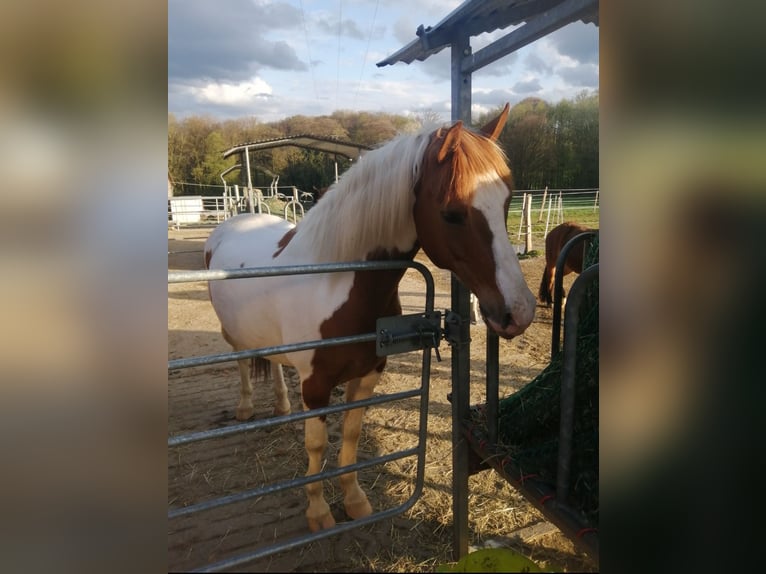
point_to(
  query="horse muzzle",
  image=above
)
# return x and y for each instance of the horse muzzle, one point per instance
(509, 324)
(507, 328)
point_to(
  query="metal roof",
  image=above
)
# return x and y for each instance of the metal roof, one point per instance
(474, 17)
(326, 144)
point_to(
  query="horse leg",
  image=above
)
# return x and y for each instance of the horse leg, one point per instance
(355, 500)
(545, 293)
(245, 408)
(552, 287)
(474, 309)
(282, 406)
(318, 513)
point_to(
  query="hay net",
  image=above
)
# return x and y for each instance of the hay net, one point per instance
(528, 420)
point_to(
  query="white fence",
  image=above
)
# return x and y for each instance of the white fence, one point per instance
(213, 209)
(533, 212)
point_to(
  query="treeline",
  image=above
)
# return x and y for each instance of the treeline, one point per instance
(547, 144)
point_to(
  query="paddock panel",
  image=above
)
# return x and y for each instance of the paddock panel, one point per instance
(418, 540)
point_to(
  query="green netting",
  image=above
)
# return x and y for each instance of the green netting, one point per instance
(528, 426)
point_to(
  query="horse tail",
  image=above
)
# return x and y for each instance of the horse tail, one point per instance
(261, 368)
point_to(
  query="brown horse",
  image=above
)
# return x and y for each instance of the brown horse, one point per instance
(554, 242)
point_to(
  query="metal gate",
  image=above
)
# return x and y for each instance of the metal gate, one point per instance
(393, 335)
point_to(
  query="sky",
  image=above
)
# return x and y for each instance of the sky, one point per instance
(266, 59)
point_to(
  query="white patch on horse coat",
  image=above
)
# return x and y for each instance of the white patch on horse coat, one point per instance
(491, 193)
(257, 319)
(369, 209)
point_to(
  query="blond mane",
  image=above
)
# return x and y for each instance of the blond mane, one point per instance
(369, 207)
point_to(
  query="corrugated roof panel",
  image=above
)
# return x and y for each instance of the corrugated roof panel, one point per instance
(473, 18)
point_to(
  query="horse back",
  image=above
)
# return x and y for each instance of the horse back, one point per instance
(555, 242)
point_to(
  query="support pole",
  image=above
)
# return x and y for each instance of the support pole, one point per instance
(461, 350)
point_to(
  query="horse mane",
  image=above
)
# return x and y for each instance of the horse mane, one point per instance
(478, 157)
(369, 206)
(372, 202)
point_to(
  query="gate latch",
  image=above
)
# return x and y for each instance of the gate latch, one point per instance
(404, 333)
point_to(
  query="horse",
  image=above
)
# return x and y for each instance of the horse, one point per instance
(554, 242)
(445, 190)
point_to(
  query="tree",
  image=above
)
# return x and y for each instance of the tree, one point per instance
(547, 145)
(526, 140)
(208, 171)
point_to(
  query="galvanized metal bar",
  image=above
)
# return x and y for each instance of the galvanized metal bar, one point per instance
(219, 274)
(266, 351)
(294, 417)
(568, 368)
(419, 450)
(228, 564)
(425, 378)
(558, 288)
(493, 384)
(288, 484)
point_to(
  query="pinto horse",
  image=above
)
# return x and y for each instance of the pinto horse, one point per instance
(446, 191)
(554, 242)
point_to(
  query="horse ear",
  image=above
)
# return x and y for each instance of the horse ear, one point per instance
(492, 129)
(451, 140)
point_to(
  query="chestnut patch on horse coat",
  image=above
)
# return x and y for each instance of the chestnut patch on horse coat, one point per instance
(332, 366)
(284, 241)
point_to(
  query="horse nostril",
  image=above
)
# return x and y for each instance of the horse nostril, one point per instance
(507, 320)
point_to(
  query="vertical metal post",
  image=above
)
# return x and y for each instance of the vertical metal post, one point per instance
(568, 372)
(461, 351)
(247, 168)
(493, 385)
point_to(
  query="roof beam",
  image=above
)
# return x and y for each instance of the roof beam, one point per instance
(467, 24)
(557, 17)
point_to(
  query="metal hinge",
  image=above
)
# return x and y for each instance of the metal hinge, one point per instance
(404, 333)
(453, 327)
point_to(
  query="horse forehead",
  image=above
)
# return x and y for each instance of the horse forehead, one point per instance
(489, 196)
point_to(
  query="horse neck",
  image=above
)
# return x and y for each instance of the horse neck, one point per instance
(368, 213)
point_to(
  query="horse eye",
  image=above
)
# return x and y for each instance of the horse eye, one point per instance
(454, 217)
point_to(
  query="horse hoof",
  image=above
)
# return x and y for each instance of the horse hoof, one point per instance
(321, 523)
(244, 413)
(358, 509)
(280, 412)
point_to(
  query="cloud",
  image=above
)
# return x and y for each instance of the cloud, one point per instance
(438, 66)
(348, 28)
(502, 67)
(584, 75)
(207, 40)
(404, 31)
(535, 63)
(576, 41)
(229, 94)
(527, 86)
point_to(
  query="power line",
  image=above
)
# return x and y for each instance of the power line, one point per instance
(308, 49)
(337, 75)
(366, 51)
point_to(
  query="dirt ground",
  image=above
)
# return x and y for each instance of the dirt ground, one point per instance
(417, 540)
